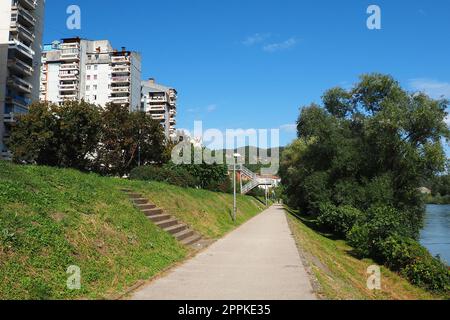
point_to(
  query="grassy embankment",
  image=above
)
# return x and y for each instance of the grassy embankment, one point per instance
(339, 274)
(51, 219)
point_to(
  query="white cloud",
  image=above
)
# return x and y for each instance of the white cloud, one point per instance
(433, 88)
(273, 47)
(290, 128)
(256, 38)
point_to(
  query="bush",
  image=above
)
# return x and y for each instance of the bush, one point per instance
(339, 220)
(175, 176)
(379, 223)
(415, 263)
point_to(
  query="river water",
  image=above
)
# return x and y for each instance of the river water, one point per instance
(436, 234)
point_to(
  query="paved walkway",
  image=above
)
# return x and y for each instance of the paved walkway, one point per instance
(258, 261)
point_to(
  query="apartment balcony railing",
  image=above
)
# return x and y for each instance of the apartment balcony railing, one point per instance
(120, 79)
(157, 109)
(21, 48)
(19, 84)
(69, 66)
(23, 15)
(120, 90)
(121, 69)
(70, 96)
(6, 155)
(68, 87)
(18, 101)
(116, 60)
(20, 66)
(120, 99)
(157, 100)
(9, 118)
(70, 56)
(158, 117)
(28, 4)
(69, 76)
(21, 31)
(70, 45)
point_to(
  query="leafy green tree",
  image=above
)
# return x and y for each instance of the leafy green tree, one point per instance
(127, 140)
(63, 136)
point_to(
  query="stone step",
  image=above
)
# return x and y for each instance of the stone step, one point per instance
(191, 240)
(167, 223)
(135, 195)
(143, 207)
(152, 212)
(175, 229)
(140, 201)
(160, 218)
(180, 236)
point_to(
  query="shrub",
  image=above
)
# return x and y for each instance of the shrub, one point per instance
(339, 220)
(415, 263)
(380, 223)
(175, 176)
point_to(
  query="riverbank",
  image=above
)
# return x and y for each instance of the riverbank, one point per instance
(436, 234)
(340, 275)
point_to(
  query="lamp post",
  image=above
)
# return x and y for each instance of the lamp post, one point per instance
(235, 156)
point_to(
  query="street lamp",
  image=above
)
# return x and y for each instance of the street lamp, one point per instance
(236, 156)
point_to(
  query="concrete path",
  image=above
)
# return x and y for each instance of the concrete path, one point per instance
(258, 261)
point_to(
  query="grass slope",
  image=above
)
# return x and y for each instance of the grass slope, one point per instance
(51, 219)
(341, 275)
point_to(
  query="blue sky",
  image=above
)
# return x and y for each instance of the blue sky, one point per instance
(254, 63)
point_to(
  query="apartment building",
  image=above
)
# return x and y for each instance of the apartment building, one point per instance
(76, 69)
(161, 103)
(21, 28)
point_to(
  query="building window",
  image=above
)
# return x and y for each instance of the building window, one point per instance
(89, 67)
(89, 77)
(88, 88)
(95, 87)
(95, 67)
(95, 77)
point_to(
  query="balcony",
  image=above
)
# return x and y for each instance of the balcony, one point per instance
(120, 80)
(23, 15)
(17, 65)
(68, 76)
(64, 97)
(19, 84)
(158, 117)
(70, 56)
(9, 118)
(69, 66)
(120, 90)
(118, 60)
(120, 99)
(21, 31)
(157, 109)
(121, 69)
(68, 87)
(21, 48)
(21, 102)
(162, 100)
(28, 4)
(6, 155)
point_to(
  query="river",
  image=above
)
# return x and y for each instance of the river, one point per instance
(436, 234)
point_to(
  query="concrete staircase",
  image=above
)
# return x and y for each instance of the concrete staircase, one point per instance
(165, 221)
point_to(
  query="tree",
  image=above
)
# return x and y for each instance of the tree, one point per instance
(372, 144)
(62, 136)
(127, 140)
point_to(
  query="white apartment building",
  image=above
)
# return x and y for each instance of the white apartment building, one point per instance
(161, 103)
(21, 28)
(76, 69)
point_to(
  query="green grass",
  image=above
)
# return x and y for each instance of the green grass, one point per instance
(51, 219)
(340, 275)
